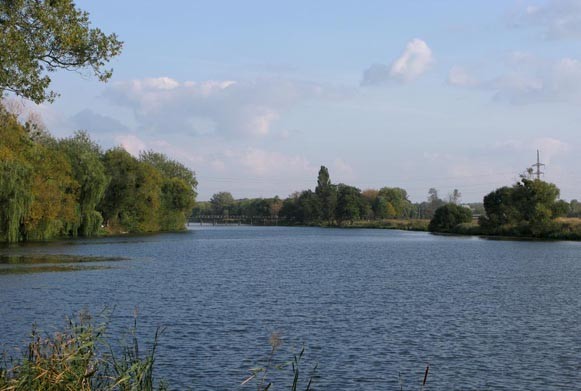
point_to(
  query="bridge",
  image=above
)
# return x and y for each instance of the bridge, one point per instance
(234, 220)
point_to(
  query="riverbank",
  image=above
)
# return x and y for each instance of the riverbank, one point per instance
(563, 228)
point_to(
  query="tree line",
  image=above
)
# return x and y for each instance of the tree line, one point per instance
(328, 204)
(70, 187)
(529, 208)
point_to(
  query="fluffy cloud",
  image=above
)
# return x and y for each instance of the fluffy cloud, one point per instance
(558, 18)
(247, 108)
(415, 60)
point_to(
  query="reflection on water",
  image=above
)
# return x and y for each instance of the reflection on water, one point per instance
(48, 269)
(53, 258)
(24, 264)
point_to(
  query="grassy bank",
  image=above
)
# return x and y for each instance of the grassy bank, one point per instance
(563, 228)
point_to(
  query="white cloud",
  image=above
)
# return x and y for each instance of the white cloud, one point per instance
(131, 143)
(244, 108)
(415, 60)
(557, 18)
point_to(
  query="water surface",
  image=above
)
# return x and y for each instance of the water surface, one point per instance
(366, 304)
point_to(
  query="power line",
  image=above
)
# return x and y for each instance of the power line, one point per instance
(538, 166)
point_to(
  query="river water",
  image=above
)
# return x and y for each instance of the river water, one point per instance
(371, 307)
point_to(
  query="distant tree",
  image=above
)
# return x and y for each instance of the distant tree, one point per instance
(530, 203)
(449, 216)
(349, 203)
(309, 207)
(433, 195)
(222, 202)
(398, 199)
(574, 209)
(327, 194)
(454, 197)
(40, 36)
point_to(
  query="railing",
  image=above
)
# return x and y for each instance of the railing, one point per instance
(234, 220)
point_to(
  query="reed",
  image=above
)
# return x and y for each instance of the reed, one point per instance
(79, 358)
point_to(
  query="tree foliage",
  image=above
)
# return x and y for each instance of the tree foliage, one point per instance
(38, 37)
(529, 206)
(448, 216)
(57, 188)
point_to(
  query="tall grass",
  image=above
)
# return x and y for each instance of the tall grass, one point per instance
(79, 358)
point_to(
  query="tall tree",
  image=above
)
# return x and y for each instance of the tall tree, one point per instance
(327, 194)
(85, 157)
(38, 37)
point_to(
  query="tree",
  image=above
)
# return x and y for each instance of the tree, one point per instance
(398, 198)
(449, 216)
(222, 202)
(41, 36)
(433, 195)
(178, 190)
(454, 197)
(327, 194)
(88, 171)
(349, 202)
(133, 198)
(531, 204)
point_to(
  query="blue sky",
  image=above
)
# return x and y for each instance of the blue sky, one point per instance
(256, 95)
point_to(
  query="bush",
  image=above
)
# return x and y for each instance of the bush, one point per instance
(449, 216)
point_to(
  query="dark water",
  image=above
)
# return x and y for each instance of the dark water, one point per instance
(366, 304)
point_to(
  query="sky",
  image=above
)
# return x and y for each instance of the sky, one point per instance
(255, 96)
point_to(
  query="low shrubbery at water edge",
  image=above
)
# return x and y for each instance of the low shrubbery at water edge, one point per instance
(70, 187)
(529, 208)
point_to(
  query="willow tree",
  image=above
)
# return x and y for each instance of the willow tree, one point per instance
(38, 37)
(15, 178)
(133, 198)
(85, 157)
(178, 190)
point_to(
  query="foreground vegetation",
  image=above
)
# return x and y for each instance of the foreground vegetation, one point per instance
(70, 187)
(81, 358)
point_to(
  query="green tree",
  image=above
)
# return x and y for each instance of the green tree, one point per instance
(38, 37)
(222, 203)
(398, 198)
(349, 202)
(327, 194)
(448, 216)
(15, 177)
(178, 190)
(85, 157)
(531, 205)
(133, 198)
